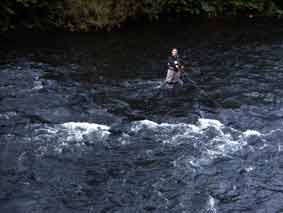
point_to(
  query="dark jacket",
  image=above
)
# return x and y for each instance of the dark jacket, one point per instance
(173, 62)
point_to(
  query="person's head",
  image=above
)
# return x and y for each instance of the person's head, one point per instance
(174, 51)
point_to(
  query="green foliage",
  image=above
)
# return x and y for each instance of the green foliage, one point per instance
(84, 15)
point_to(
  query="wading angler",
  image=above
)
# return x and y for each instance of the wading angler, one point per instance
(174, 71)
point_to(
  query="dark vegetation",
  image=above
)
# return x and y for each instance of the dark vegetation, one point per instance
(85, 15)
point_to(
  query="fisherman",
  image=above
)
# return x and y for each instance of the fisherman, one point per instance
(175, 67)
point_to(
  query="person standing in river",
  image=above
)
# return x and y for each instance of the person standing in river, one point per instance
(175, 67)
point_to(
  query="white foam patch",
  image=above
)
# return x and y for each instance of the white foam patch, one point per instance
(206, 123)
(249, 133)
(215, 139)
(147, 124)
(47, 130)
(86, 126)
(78, 131)
(211, 205)
(72, 136)
(249, 169)
(140, 125)
(37, 85)
(185, 129)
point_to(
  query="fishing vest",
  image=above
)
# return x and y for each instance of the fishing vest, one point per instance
(173, 62)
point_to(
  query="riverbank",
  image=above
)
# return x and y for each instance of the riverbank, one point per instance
(91, 15)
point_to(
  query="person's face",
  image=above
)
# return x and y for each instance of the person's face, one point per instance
(174, 52)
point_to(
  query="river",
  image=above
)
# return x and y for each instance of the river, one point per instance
(86, 127)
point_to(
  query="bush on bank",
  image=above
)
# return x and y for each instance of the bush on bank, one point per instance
(85, 15)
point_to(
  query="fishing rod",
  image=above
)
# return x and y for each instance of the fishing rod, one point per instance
(202, 90)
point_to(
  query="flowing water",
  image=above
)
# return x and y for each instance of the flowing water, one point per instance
(86, 126)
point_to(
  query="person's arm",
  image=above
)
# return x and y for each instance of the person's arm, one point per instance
(171, 64)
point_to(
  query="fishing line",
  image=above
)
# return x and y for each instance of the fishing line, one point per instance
(202, 91)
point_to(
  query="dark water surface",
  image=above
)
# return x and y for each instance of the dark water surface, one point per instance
(86, 128)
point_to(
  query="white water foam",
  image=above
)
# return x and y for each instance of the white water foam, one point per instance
(37, 85)
(214, 137)
(205, 123)
(70, 135)
(143, 124)
(77, 131)
(249, 133)
(211, 205)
